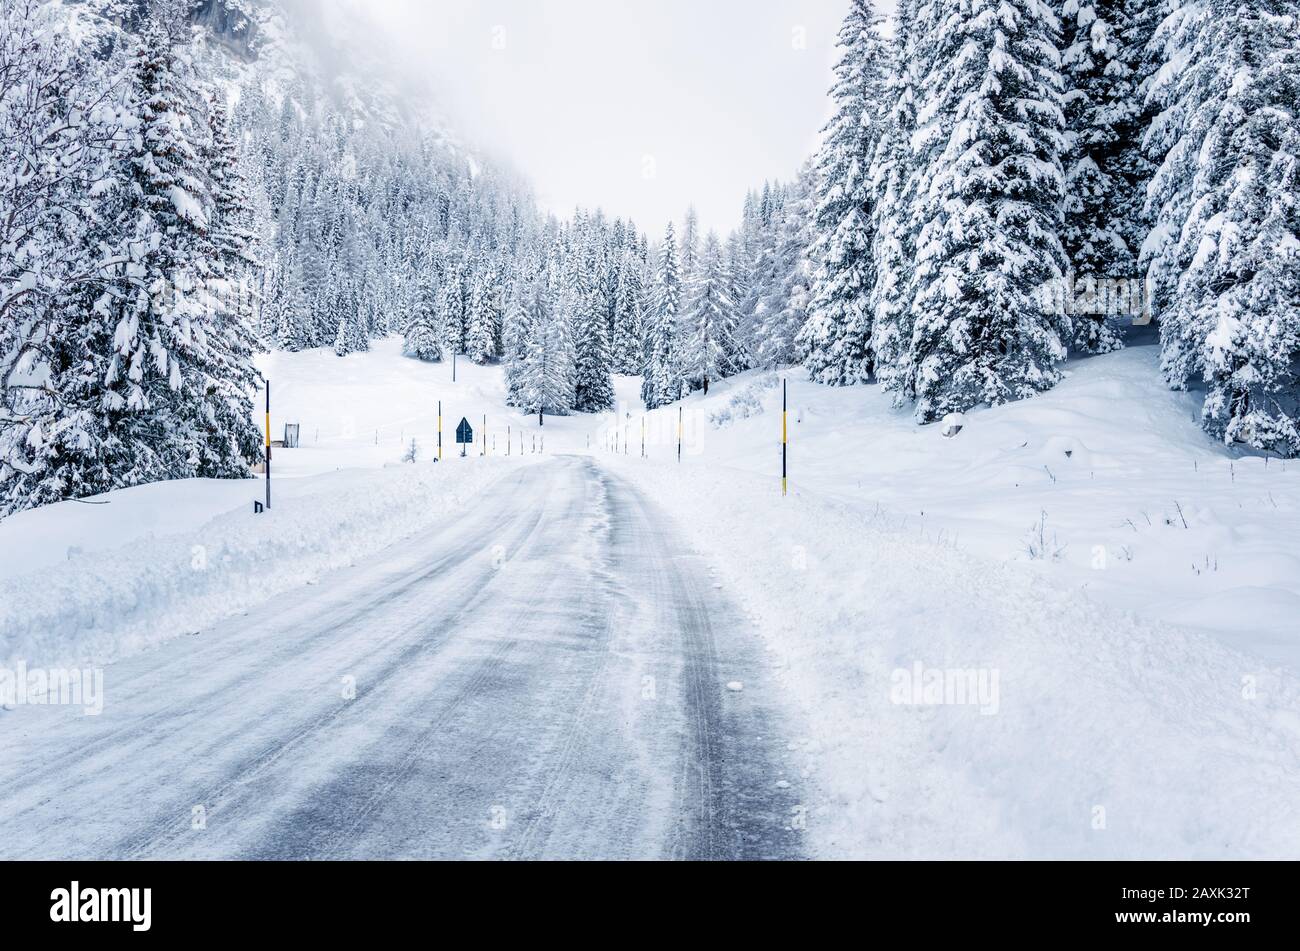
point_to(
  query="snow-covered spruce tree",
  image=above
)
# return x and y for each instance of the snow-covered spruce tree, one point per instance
(610, 253)
(1224, 257)
(151, 370)
(547, 385)
(709, 324)
(837, 339)
(158, 307)
(518, 334)
(992, 183)
(452, 309)
(481, 342)
(740, 344)
(593, 387)
(289, 310)
(351, 335)
(783, 309)
(744, 291)
(1106, 171)
(628, 347)
(232, 236)
(60, 130)
(662, 384)
(743, 262)
(897, 213)
(689, 259)
(226, 363)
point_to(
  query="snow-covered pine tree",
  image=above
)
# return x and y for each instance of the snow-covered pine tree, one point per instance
(163, 366)
(745, 291)
(593, 387)
(628, 347)
(231, 234)
(747, 249)
(689, 260)
(290, 310)
(1224, 256)
(609, 251)
(482, 318)
(1106, 172)
(226, 414)
(708, 344)
(518, 334)
(837, 339)
(351, 335)
(992, 186)
(740, 339)
(423, 339)
(783, 309)
(897, 220)
(547, 386)
(59, 131)
(663, 384)
(452, 308)
(161, 369)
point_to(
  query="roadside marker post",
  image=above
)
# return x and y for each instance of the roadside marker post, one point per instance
(485, 435)
(681, 419)
(268, 445)
(642, 437)
(785, 439)
(440, 430)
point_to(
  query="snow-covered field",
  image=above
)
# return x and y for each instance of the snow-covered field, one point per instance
(1140, 695)
(364, 410)
(1120, 590)
(1109, 473)
(1089, 732)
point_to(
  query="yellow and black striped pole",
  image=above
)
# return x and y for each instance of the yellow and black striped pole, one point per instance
(268, 445)
(785, 440)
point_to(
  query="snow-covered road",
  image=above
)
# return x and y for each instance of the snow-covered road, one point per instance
(546, 677)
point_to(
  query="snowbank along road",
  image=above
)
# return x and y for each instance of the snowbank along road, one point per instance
(551, 676)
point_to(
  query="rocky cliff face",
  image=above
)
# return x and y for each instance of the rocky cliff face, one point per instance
(232, 24)
(317, 56)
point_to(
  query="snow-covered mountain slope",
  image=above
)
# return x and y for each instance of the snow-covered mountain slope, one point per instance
(323, 57)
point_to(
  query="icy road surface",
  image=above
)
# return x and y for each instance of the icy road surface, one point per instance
(547, 677)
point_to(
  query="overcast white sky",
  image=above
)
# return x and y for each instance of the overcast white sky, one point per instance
(641, 107)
